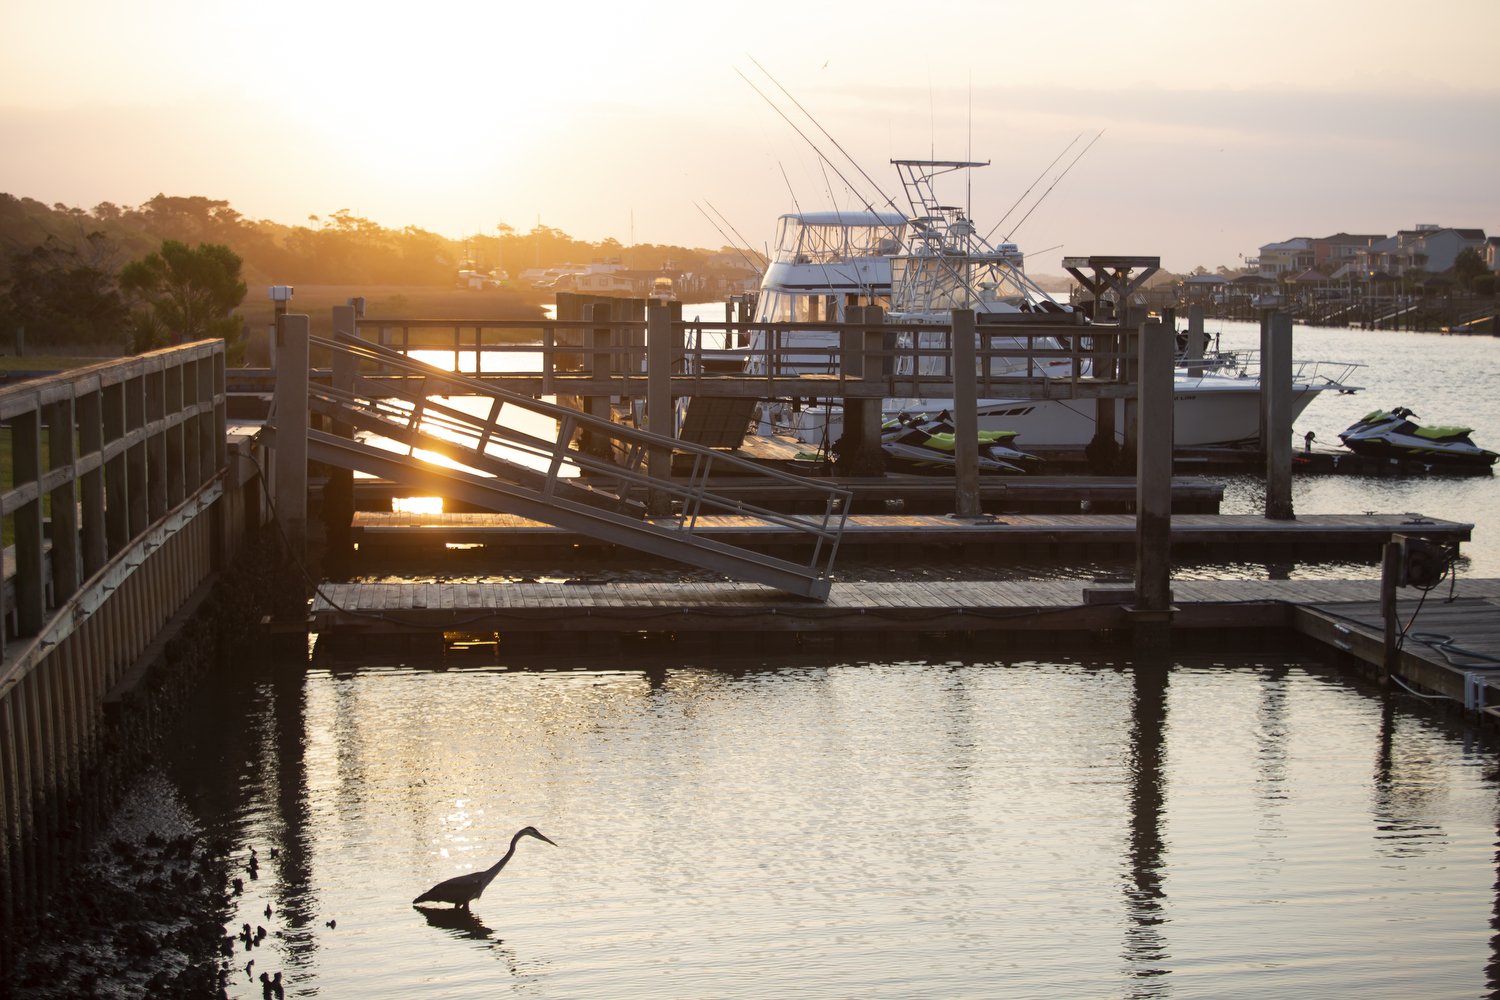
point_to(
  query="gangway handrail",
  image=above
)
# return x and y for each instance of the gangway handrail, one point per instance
(602, 485)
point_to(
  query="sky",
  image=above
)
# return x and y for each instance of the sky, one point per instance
(1225, 126)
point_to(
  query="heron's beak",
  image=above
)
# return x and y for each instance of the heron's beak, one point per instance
(543, 836)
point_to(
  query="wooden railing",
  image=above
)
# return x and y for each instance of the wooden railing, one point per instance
(112, 467)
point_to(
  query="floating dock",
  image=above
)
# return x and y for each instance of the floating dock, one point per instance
(1451, 647)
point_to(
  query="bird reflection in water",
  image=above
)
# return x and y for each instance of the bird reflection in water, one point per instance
(459, 922)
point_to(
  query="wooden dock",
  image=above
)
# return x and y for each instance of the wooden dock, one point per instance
(1451, 647)
(1237, 536)
(590, 604)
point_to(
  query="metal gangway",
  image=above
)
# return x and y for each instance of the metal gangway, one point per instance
(590, 477)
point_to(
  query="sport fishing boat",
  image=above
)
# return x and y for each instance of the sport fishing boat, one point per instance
(921, 266)
(1396, 434)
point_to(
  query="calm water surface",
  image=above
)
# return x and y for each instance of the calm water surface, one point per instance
(1032, 828)
(1443, 379)
(1253, 826)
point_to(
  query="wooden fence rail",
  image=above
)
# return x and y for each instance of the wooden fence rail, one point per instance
(113, 467)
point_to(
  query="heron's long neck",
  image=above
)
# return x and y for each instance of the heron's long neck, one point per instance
(490, 875)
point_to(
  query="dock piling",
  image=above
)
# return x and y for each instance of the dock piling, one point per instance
(290, 469)
(1153, 546)
(1276, 402)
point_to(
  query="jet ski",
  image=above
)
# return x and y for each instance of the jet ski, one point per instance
(1395, 434)
(927, 444)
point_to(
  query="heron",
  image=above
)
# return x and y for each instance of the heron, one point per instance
(462, 889)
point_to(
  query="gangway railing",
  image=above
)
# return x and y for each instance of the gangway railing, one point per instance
(587, 478)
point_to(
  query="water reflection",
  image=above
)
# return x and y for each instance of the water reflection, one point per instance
(460, 923)
(841, 829)
(1146, 950)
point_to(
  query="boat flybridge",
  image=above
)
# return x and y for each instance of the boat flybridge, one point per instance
(823, 262)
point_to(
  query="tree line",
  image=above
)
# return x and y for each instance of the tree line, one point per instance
(168, 269)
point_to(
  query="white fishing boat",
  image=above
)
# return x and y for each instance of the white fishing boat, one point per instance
(922, 266)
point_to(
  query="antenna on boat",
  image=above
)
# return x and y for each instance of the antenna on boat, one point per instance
(969, 154)
(1053, 185)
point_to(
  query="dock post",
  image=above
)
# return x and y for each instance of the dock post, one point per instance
(1197, 340)
(338, 488)
(859, 445)
(1102, 449)
(1276, 392)
(1390, 573)
(598, 363)
(1262, 436)
(1153, 498)
(30, 546)
(660, 416)
(291, 430)
(1130, 374)
(965, 416)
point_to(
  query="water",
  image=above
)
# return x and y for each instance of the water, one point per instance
(1247, 826)
(1443, 379)
(1032, 828)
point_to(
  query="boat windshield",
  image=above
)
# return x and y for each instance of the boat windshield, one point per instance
(827, 237)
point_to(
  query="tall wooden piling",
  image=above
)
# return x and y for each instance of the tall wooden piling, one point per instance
(290, 489)
(965, 416)
(1276, 395)
(660, 411)
(859, 450)
(338, 488)
(1153, 561)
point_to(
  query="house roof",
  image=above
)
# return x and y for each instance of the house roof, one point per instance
(1309, 276)
(1357, 239)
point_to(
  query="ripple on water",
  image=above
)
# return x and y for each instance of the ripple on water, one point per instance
(870, 829)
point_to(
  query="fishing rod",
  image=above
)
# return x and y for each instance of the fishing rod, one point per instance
(1053, 185)
(845, 153)
(737, 249)
(1034, 183)
(805, 139)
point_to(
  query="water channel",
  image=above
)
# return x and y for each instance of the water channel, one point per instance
(1236, 822)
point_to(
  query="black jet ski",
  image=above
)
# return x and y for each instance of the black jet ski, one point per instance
(927, 444)
(1395, 434)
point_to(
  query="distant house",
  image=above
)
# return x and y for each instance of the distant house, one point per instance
(1428, 248)
(1333, 252)
(1203, 289)
(1288, 257)
(726, 274)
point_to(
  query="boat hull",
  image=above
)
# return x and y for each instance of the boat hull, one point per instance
(1203, 417)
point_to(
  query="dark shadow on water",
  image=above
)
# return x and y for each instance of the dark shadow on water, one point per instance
(465, 925)
(1146, 952)
(457, 922)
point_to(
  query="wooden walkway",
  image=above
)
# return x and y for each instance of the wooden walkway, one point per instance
(605, 605)
(1241, 535)
(1451, 649)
